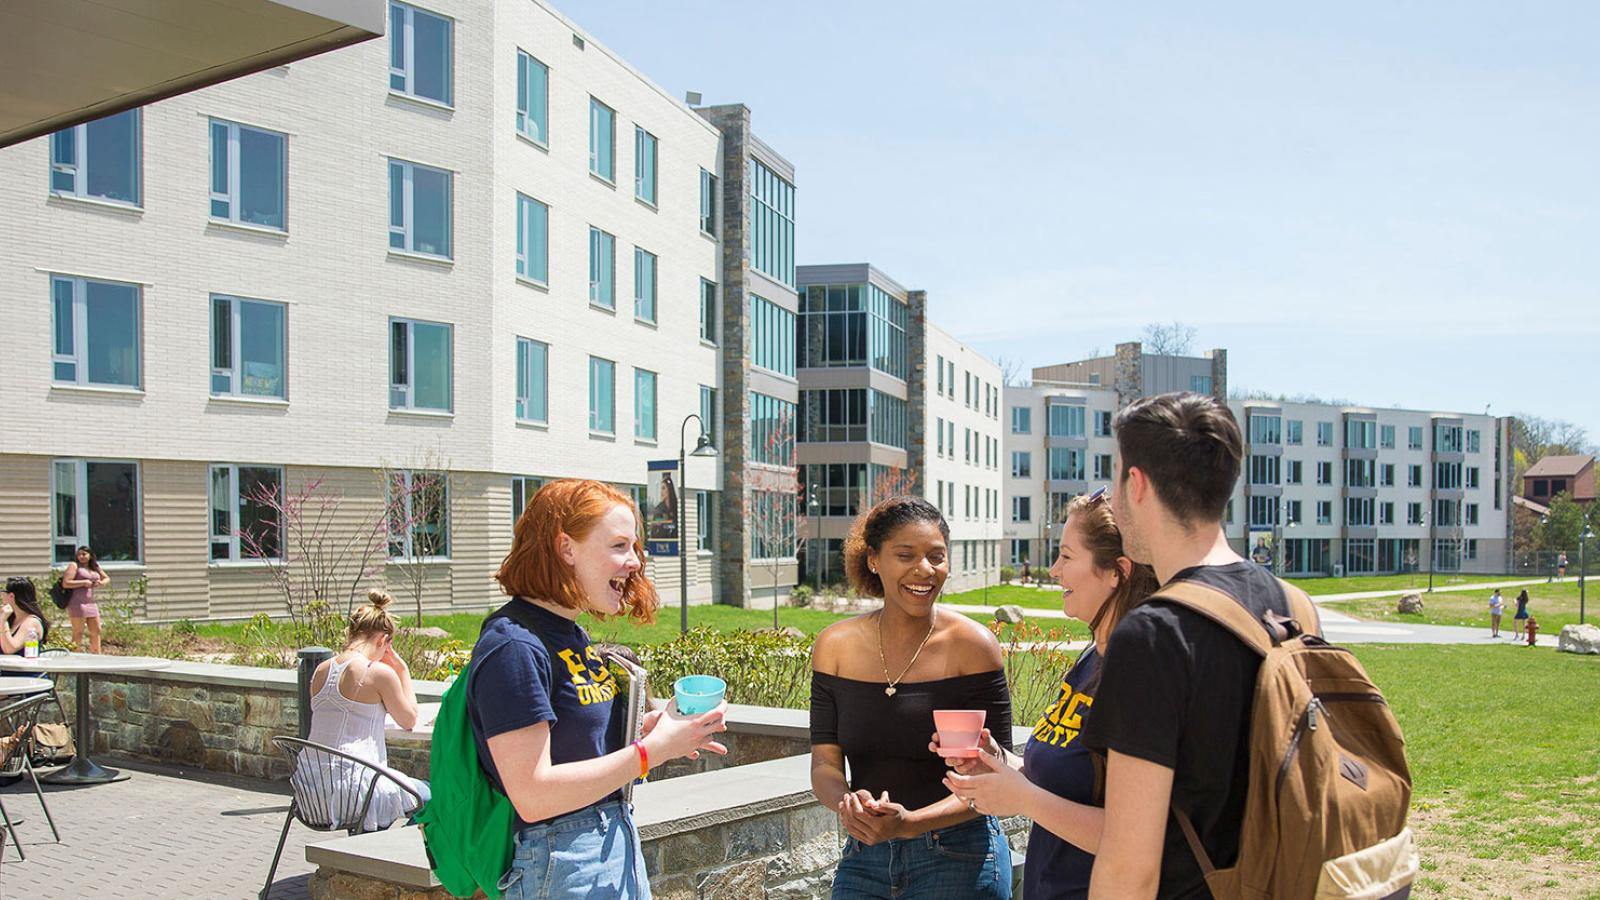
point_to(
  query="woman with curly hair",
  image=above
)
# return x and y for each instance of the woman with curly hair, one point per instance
(539, 697)
(1053, 781)
(876, 680)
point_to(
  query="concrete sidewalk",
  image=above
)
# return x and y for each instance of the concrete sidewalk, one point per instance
(162, 833)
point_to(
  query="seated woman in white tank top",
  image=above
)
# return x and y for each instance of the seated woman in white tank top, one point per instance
(350, 694)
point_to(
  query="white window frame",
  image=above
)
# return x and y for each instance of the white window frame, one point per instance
(520, 484)
(709, 304)
(78, 358)
(708, 203)
(594, 141)
(638, 409)
(79, 168)
(80, 491)
(641, 139)
(235, 502)
(593, 428)
(639, 300)
(524, 394)
(409, 388)
(596, 238)
(408, 55)
(235, 175)
(408, 216)
(527, 125)
(235, 342)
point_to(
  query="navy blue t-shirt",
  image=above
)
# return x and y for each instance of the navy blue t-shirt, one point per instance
(1060, 763)
(530, 666)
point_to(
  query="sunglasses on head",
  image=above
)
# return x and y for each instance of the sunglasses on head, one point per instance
(1100, 493)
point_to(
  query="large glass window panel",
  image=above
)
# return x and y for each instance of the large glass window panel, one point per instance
(533, 98)
(1265, 429)
(602, 395)
(533, 239)
(533, 360)
(772, 223)
(419, 520)
(708, 311)
(419, 208)
(644, 165)
(644, 285)
(419, 365)
(99, 159)
(96, 332)
(708, 202)
(772, 332)
(63, 309)
(602, 140)
(602, 269)
(1066, 421)
(249, 174)
(96, 502)
(247, 347)
(420, 53)
(708, 412)
(644, 404)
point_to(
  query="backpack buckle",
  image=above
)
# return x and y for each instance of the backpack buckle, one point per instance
(1281, 627)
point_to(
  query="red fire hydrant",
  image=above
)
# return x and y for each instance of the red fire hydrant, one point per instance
(1533, 631)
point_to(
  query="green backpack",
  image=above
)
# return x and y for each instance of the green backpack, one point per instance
(467, 825)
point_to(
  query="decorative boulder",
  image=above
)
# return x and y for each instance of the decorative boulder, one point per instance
(1579, 639)
(428, 632)
(1410, 602)
(1010, 614)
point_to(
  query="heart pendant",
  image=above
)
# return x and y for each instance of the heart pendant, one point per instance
(889, 690)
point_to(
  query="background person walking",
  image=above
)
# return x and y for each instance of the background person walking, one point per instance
(1497, 607)
(83, 575)
(1521, 618)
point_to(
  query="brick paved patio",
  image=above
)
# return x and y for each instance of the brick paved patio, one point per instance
(162, 833)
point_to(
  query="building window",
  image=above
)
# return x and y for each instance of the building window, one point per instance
(1358, 512)
(1472, 478)
(1474, 441)
(1447, 439)
(1386, 437)
(1324, 434)
(837, 489)
(938, 428)
(1414, 476)
(1102, 466)
(533, 373)
(775, 537)
(1265, 429)
(853, 325)
(247, 347)
(419, 365)
(1446, 513)
(1360, 434)
(1066, 464)
(96, 329)
(533, 98)
(1293, 471)
(1324, 473)
(708, 412)
(1360, 473)
(771, 223)
(602, 140)
(1021, 464)
(602, 395)
(249, 175)
(704, 511)
(533, 240)
(1386, 513)
(1472, 514)
(244, 517)
(1413, 513)
(1324, 512)
(839, 414)
(602, 269)
(644, 285)
(771, 336)
(644, 165)
(1291, 512)
(419, 53)
(644, 404)
(1386, 475)
(99, 159)
(708, 203)
(1414, 437)
(95, 503)
(939, 368)
(419, 519)
(1021, 420)
(1102, 423)
(1447, 476)
(771, 430)
(419, 209)
(1264, 469)
(523, 487)
(1200, 384)
(708, 311)
(1021, 509)
(1263, 511)
(887, 418)
(1066, 421)
(1293, 431)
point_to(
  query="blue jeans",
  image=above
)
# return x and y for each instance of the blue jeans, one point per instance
(591, 853)
(970, 861)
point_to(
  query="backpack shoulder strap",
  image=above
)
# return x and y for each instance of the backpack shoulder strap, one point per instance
(1221, 608)
(1302, 609)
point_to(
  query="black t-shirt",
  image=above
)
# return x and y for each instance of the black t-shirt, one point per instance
(1177, 690)
(530, 666)
(885, 739)
(1058, 761)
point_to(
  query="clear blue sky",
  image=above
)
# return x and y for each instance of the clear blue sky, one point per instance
(1395, 203)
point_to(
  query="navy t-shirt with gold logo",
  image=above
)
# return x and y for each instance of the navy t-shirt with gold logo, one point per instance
(1056, 760)
(530, 666)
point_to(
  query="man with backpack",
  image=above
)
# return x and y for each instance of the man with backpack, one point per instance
(1196, 758)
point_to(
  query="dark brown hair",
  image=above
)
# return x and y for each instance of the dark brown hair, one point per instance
(1092, 518)
(534, 569)
(873, 527)
(1190, 448)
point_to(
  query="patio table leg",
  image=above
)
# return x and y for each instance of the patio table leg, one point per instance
(82, 769)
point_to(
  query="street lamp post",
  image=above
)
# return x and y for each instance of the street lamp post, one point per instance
(1583, 539)
(702, 448)
(1433, 546)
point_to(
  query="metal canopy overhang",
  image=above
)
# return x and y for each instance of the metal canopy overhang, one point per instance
(63, 62)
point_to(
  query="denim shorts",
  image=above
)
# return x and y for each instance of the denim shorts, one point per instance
(970, 861)
(591, 853)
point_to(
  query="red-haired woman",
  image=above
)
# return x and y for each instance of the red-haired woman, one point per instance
(539, 697)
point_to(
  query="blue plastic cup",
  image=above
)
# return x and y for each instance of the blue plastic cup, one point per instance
(696, 694)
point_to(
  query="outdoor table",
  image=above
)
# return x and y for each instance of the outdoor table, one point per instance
(82, 769)
(426, 713)
(13, 686)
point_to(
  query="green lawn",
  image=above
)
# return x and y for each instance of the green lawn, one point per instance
(1415, 581)
(1505, 763)
(1004, 594)
(1554, 605)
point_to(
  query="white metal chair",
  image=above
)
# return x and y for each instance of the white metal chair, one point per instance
(17, 719)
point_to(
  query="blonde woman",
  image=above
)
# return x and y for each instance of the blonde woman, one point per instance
(350, 695)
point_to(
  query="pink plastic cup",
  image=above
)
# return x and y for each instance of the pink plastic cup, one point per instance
(959, 731)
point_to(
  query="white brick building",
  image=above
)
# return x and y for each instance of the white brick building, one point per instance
(486, 205)
(964, 477)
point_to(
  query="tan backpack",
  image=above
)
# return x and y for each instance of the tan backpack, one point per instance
(1325, 812)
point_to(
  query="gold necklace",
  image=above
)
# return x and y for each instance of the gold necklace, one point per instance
(932, 620)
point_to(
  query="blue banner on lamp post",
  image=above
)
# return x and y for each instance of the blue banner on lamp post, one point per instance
(661, 526)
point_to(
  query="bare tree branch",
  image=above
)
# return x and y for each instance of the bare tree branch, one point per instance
(1175, 339)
